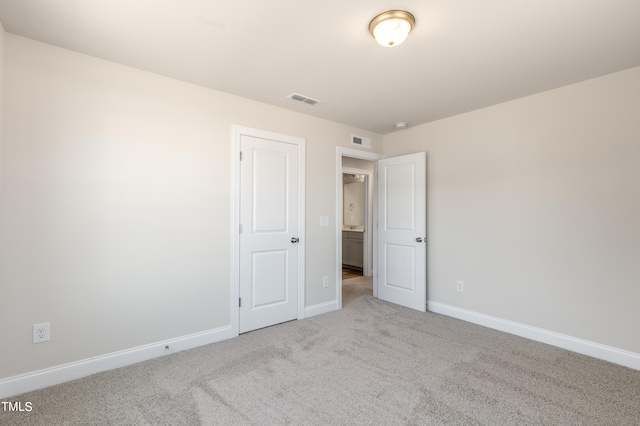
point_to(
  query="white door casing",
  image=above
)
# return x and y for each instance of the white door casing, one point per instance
(368, 234)
(402, 248)
(270, 231)
(362, 155)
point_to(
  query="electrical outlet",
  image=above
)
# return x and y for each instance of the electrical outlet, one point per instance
(325, 282)
(41, 332)
(460, 286)
(324, 220)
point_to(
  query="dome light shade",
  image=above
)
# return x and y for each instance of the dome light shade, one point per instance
(392, 27)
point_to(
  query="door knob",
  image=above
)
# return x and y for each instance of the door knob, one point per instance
(294, 240)
(419, 239)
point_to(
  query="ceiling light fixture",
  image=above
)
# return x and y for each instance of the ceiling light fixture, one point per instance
(392, 27)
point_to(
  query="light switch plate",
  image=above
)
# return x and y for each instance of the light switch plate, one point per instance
(324, 220)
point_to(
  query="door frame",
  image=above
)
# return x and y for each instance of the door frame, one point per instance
(362, 155)
(367, 268)
(234, 290)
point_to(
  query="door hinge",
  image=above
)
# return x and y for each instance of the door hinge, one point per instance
(240, 155)
(239, 302)
(240, 228)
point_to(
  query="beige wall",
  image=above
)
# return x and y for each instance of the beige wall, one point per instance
(116, 204)
(353, 211)
(535, 205)
(356, 163)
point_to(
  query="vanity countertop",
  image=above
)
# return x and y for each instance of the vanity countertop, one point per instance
(353, 228)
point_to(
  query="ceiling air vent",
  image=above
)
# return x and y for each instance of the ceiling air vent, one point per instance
(305, 99)
(360, 141)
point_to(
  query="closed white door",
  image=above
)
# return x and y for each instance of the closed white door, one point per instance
(269, 232)
(402, 224)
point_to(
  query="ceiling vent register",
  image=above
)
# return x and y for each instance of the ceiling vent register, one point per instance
(305, 99)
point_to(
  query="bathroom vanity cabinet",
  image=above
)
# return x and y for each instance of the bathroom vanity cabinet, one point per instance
(352, 249)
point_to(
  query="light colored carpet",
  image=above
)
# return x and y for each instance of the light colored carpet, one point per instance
(372, 363)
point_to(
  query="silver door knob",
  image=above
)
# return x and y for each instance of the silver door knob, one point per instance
(419, 239)
(294, 240)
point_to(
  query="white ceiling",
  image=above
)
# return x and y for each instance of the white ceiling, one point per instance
(462, 55)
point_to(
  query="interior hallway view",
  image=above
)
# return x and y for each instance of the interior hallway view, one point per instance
(348, 273)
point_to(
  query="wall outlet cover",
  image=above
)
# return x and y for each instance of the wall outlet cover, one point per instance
(41, 332)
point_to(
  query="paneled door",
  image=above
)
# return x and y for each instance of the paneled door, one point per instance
(402, 224)
(269, 239)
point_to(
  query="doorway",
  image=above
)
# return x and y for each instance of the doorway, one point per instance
(399, 227)
(355, 162)
(356, 220)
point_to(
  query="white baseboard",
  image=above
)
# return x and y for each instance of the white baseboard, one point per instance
(17, 385)
(321, 308)
(585, 347)
(63, 373)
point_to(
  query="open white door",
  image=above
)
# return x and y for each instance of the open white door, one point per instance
(270, 231)
(402, 224)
